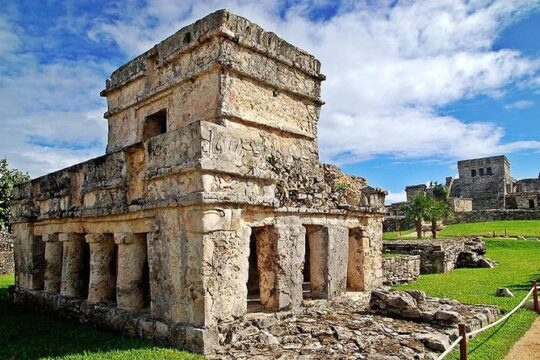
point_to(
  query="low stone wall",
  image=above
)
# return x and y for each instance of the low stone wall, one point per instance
(495, 215)
(441, 255)
(401, 269)
(105, 316)
(7, 265)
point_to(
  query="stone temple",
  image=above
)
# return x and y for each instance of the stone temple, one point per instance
(210, 202)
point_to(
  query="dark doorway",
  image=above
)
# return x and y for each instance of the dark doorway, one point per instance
(85, 270)
(253, 290)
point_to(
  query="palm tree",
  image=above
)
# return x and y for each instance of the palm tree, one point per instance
(438, 210)
(417, 210)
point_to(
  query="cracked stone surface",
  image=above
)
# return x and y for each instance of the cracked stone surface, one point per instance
(349, 328)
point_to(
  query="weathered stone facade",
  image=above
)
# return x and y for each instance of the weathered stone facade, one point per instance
(401, 269)
(210, 202)
(485, 180)
(7, 265)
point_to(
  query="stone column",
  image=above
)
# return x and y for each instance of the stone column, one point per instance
(329, 250)
(102, 267)
(358, 247)
(29, 256)
(289, 239)
(338, 255)
(73, 265)
(53, 263)
(372, 234)
(132, 255)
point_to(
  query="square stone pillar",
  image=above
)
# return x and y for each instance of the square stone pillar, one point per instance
(373, 274)
(73, 265)
(29, 256)
(358, 249)
(328, 248)
(53, 263)
(102, 282)
(132, 255)
(281, 251)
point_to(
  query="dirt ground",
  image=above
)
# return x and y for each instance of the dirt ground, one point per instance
(528, 347)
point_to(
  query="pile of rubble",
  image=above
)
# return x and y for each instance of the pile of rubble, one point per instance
(393, 325)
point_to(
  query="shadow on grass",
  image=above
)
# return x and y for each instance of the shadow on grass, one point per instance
(524, 287)
(25, 334)
(484, 341)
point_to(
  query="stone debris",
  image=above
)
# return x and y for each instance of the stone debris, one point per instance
(415, 305)
(485, 263)
(504, 292)
(351, 329)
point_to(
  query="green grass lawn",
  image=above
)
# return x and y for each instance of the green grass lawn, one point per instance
(526, 228)
(28, 335)
(518, 264)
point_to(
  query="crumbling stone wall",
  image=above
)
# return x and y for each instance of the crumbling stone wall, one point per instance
(7, 265)
(437, 256)
(212, 170)
(401, 269)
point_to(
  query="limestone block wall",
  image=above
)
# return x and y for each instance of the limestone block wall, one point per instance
(436, 256)
(7, 265)
(401, 269)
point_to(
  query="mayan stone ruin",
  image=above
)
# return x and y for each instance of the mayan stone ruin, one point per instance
(486, 184)
(210, 202)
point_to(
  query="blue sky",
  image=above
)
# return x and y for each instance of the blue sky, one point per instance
(411, 87)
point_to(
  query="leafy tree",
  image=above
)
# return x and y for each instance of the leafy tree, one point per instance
(8, 179)
(418, 210)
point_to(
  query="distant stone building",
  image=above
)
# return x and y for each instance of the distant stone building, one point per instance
(211, 201)
(486, 184)
(525, 194)
(486, 181)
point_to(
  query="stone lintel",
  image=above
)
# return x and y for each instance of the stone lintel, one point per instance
(97, 238)
(50, 237)
(128, 238)
(63, 237)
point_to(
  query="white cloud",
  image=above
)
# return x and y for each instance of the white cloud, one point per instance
(389, 70)
(519, 105)
(51, 114)
(395, 197)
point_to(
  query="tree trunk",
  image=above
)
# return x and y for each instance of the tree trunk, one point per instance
(433, 228)
(419, 229)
